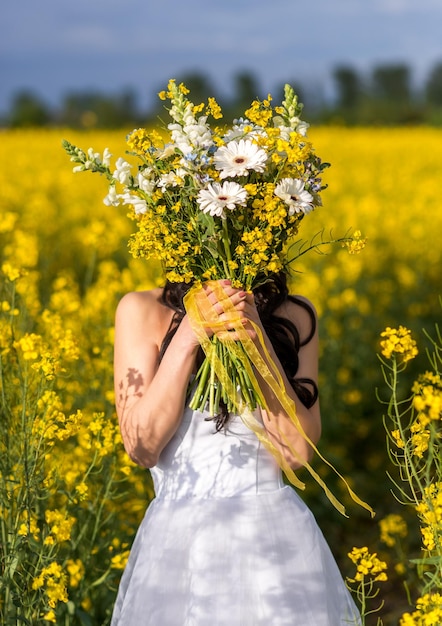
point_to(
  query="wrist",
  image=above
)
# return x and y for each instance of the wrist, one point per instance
(186, 338)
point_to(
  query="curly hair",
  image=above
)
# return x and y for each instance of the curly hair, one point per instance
(282, 333)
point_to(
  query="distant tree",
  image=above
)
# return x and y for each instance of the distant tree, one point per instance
(433, 86)
(392, 83)
(348, 86)
(93, 109)
(246, 88)
(200, 86)
(27, 110)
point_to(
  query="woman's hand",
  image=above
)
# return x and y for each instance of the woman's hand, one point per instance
(226, 311)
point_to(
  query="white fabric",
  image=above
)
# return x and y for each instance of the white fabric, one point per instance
(226, 543)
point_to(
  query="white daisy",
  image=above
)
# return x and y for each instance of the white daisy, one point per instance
(238, 157)
(218, 197)
(292, 191)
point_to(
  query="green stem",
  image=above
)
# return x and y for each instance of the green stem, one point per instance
(212, 385)
(226, 245)
(201, 377)
(409, 467)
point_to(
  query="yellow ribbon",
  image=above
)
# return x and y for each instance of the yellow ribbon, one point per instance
(202, 316)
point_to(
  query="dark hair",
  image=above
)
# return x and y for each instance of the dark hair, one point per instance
(282, 333)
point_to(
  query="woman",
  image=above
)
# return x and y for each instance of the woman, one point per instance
(225, 542)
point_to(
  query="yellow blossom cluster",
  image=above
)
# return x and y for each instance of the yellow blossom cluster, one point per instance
(429, 511)
(260, 113)
(53, 578)
(368, 566)
(392, 528)
(29, 526)
(59, 526)
(356, 243)
(398, 343)
(428, 612)
(427, 398)
(425, 429)
(75, 569)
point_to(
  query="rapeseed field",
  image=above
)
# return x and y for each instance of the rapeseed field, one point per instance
(70, 498)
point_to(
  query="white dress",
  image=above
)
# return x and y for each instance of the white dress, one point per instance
(226, 543)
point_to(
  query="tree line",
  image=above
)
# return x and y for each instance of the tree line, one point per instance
(383, 96)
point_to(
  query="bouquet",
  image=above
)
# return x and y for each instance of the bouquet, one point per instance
(215, 203)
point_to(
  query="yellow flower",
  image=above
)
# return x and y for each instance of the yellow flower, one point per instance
(419, 439)
(75, 569)
(396, 434)
(11, 272)
(398, 343)
(428, 397)
(50, 617)
(214, 109)
(54, 580)
(197, 108)
(119, 560)
(82, 490)
(259, 113)
(367, 565)
(428, 612)
(393, 526)
(356, 244)
(60, 526)
(30, 345)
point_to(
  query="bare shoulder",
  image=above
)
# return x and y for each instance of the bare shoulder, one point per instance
(139, 301)
(143, 310)
(301, 311)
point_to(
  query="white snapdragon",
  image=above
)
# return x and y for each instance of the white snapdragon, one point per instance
(122, 172)
(302, 128)
(91, 160)
(107, 157)
(193, 134)
(144, 182)
(166, 152)
(139, 204)
(180, 139)
(297, 125)
(112, 198)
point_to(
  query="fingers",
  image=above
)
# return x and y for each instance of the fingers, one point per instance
(228, 311)
(235, 335)
(223, 297)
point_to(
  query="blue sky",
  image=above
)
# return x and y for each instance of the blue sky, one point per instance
(56, 46)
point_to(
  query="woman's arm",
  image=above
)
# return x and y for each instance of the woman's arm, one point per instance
(281, 430)
(150, 395)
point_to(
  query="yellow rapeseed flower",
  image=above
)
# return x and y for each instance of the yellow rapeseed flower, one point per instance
(367, 565)
(398, 343)
(392, 527)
